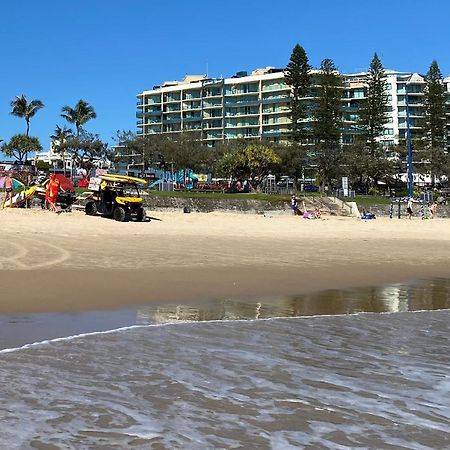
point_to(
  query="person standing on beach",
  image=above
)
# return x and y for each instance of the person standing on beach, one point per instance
(51, 193)
(294, 205)
(409, 209)
(9, 188)
(433, 210)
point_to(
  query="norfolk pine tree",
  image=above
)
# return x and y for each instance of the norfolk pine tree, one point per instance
(435, 125)
(297, 76)
(372, 118)
(327, 125)
(373, 112)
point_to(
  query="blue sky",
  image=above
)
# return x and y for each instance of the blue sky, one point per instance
(106, 51)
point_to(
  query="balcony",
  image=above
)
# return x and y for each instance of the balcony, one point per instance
(212, 126)
(153, 113)
(241, 125)
(192, 119)
(237, 102)
(232, 93)
(192, 97)
(213, 136)
(171, 119)
(212, 94)
(276, 99)
(208, 105)
(172, 99)
(152, 101)
(275, 87)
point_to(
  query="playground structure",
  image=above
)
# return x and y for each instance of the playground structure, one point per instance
(183, 179)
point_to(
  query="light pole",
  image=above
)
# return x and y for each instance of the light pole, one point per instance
(408, 141)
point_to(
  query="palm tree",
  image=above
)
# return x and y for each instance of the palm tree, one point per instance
(79, 115)
(58, 138)
(21, 108)
(61, 134)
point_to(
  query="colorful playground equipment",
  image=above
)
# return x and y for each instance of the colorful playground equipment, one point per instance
(184, 178)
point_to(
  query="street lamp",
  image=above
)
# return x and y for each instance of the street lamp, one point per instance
(408, 141)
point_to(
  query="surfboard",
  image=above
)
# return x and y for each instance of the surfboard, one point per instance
(121, 178)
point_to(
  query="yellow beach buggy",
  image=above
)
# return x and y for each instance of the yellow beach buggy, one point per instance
(116, 196)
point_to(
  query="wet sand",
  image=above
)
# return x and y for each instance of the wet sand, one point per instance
(73, 262)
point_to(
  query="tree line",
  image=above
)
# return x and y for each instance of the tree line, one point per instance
(315, 147)
(80, 146)
(318, 126)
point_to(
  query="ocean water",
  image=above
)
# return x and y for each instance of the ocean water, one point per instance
(365, 368)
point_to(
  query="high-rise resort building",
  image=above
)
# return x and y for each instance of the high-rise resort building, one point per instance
(256, 106)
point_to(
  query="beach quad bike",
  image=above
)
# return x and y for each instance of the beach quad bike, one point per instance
(116, 196)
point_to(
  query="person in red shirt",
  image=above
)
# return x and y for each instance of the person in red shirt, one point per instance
(51, 193)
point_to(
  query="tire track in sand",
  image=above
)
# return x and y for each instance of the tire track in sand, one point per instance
(57, 255)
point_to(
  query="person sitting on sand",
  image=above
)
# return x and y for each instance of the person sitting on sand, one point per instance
(51, 193)
(9, 190)
(317, 213)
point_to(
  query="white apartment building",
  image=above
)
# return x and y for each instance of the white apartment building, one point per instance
(401, 88)
(257, 106)
(243, 106)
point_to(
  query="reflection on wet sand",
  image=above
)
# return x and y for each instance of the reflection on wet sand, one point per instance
(426, 295)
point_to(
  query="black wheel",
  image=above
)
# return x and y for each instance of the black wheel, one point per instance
(91, 208)
(140, 216)
(119, 214)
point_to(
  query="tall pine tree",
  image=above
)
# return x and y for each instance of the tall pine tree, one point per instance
(372, 115)
(327, 125)
(435, 126)
(297, 76)
(372, 118)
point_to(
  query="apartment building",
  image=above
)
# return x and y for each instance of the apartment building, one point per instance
(243, 106)
(257, 106)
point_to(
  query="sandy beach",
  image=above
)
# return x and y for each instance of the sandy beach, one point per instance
(73, 262)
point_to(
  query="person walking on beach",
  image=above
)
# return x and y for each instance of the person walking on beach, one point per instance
(9, 188)
(51, 193)
(294, 205)
(409, 209)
